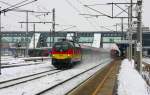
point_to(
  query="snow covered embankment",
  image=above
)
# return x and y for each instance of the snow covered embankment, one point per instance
(130, 82)
(146, 70)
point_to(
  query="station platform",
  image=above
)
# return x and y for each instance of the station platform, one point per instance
(104, 82)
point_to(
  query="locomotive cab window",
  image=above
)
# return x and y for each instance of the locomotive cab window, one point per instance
(61, 46)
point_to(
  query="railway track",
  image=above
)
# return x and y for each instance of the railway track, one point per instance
(66, 80)
(102, 83)
(7, 65)
(10, 66)
(19, 80)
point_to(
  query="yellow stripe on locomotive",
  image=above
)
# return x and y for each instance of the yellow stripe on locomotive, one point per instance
(61, 56)
(66, 56)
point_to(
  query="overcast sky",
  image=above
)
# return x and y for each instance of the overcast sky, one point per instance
(68, 15)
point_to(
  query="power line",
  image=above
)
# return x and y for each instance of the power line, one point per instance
(97, 11)
(72, 6)
(91, 15)
(79, 12)
(96, 4)
(10, 9)
(39, 6)
(43, 8)
(8, 4)
(87, 18)
(94, 21)
(15, 4)
(13, 7)
(20, 10)
(95, 15)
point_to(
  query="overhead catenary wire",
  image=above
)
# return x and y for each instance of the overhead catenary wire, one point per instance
(15, 5)
(86, 17)
(93, 9)
(8, 4)
(72, 6)
(89, 20)
(124, 10)
(44, 15)
(93, 15)
(96, 17)
(45, 9)
(13, 8)
(96, 22)
(96, 4)
(78, 11)
(20, 10)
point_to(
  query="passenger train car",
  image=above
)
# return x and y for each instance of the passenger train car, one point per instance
(65, 54)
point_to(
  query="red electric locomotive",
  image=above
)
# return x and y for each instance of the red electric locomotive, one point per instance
(65, 53)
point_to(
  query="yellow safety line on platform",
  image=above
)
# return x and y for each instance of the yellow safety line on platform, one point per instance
(101, 84)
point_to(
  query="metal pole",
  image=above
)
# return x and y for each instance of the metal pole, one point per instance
(130, 32)
(139, 36)
(101, 44)
(34, 35)
(131, 9)
(0, 42)
(112, 10)
(26, 53)
(122, 28)
(53, 24)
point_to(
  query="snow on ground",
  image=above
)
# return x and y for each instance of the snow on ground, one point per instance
(10, 73)
(32, 87)
(66, 87)
(130, 82)
(11, 60)
(35, 86)
(145, 72)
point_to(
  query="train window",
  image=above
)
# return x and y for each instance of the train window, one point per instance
(61, 46)
(65, 47)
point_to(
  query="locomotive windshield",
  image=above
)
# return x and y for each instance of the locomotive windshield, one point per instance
(61, 46)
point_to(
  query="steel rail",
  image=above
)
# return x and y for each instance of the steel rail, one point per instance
(16, 81)
(52, 87)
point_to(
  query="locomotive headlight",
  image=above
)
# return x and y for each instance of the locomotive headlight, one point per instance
(68, 55)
